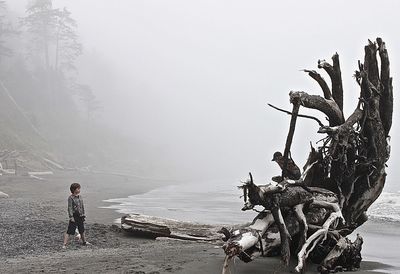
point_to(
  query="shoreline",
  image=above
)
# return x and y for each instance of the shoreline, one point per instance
(34, 219)
(95, 189)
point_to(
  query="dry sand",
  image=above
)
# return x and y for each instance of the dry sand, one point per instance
(33, 219)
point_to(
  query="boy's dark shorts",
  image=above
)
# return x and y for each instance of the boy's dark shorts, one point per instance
(79, 222)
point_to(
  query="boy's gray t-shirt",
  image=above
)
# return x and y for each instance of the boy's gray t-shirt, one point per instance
(75, 205)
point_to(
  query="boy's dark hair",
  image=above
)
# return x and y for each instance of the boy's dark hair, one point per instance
(74, 186)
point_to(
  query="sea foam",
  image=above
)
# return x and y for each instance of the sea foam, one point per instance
(386, 207)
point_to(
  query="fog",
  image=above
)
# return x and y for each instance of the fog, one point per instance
(192, 79)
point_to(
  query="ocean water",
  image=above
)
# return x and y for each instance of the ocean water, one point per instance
(386, 207)
(219, 202)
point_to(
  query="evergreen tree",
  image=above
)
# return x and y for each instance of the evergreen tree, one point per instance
(40, 23)
(90, 103)
(6, 30)
(68, 47)
(53, 35)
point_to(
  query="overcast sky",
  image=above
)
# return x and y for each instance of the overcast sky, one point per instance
(194, 77)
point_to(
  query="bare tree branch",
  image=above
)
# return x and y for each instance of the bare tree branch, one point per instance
(328, 107)
(336, 78)
(371, 63)
(386, 100)
(295, 112)
(321, 81)
(299, 115)
(337, 85)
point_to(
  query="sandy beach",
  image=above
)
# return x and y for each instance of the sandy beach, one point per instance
(33, 220)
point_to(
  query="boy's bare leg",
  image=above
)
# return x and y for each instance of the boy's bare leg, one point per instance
(78, 235)
(83, 237)
(66, 237)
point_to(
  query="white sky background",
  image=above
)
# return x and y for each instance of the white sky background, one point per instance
(194, 77)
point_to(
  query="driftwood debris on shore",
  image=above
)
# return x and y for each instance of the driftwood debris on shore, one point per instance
(311, 216)
(155, 227)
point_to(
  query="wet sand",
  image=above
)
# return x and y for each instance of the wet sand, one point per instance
(34, 218)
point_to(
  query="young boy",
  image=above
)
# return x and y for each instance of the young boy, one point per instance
(76, 213)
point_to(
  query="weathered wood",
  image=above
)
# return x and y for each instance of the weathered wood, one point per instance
(154, 227)
(3, 195)
(386, 100)
(314, 239)
(341, 179)
(337, 85)
(336, 79)
(345, 256)
(299, 115)
(328, 107)
(144, 228)
(289, 139)
(321, 81)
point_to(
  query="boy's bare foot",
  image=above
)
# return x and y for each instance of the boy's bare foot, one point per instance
(64, 247)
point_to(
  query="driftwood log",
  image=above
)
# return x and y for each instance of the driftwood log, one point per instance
(155, 227)
(312, 216)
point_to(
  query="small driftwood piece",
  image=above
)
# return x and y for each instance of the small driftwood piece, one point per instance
(53, 164)
(3, 195)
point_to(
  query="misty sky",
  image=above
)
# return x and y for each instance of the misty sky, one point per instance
(194, 77)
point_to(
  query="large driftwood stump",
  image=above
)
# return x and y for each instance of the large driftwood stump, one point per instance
(312, 216)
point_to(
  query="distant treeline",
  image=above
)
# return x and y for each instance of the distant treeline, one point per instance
(41, 48)
(44, 109)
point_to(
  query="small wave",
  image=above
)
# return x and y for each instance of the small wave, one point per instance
(206, 203)
(386, 207)
(221, 203)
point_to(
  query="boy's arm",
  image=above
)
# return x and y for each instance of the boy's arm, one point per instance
(83, 209)
(70, 209)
